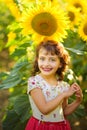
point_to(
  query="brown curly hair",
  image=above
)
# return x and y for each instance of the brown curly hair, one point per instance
(54, 48)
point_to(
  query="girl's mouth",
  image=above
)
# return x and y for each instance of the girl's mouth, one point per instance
(47, 69)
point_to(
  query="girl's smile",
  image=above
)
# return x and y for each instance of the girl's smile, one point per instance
(47, 69)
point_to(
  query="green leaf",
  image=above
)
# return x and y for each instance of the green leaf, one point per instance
(78, 52)
(3, 75)
(11, 81)
(19, 52)
(17, 75)
(12, 121)
(22, 107)
(20, 65)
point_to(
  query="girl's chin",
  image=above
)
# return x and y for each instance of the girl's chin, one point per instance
(46, 72)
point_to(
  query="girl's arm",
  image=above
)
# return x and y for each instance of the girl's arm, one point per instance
(47, 106)
(69, 108)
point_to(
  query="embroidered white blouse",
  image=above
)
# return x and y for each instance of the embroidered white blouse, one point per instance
(50, 92)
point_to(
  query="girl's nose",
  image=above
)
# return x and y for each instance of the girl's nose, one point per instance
(46, 63)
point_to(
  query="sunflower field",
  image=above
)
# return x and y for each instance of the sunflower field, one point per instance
(23, 24)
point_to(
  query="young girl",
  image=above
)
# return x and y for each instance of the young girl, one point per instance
(48, 93)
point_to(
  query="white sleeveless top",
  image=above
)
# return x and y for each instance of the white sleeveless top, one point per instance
(50, 93)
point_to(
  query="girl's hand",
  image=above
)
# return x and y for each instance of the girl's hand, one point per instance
(70, 92)
(78, 92)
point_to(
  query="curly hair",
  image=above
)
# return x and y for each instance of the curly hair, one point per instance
(54, 48)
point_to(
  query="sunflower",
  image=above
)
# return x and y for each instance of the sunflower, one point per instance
(13, 8)
(11, 36)
(8, 1)
(82, 30)
(48, 22)
(81, 4)
(12, 48)
(74, 16)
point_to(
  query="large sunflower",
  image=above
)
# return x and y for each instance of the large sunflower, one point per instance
(82, 30)
(74, 16)
(48, 22)
(81, 4)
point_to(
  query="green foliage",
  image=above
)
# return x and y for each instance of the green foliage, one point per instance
(17, 116)
(78, 52)
(16, 76)
(5, 19)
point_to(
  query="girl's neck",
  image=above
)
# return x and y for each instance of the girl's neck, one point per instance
(48, 77)
(52, 80)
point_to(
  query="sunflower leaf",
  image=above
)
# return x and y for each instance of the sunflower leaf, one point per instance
(22, 107)
(78, 52)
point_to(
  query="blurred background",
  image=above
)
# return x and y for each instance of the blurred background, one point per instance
(17, 55)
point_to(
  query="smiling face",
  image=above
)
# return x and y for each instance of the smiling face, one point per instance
(48, 63)
(51, 59)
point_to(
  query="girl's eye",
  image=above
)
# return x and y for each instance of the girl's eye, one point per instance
(42, 58)
(52, 59)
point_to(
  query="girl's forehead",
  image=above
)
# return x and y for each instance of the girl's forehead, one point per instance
(46, 52)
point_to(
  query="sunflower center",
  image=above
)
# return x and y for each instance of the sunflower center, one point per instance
(85, 29)
(44, 24)
(71, 16)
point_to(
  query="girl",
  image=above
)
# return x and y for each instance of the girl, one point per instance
(48, 93)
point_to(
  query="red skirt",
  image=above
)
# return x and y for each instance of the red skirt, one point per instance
(35, 124)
